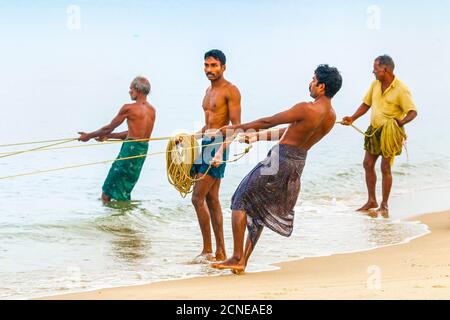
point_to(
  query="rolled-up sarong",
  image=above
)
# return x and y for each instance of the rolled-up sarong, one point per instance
(270, 191)
(124, 174)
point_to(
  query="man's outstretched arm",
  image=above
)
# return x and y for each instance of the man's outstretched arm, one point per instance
(363, 108)
(263, 135)
(296, 113)
(106, 130)
(115, 135)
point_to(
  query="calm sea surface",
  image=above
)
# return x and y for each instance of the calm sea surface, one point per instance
(57, 237)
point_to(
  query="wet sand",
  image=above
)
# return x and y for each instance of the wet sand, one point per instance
(419, 269)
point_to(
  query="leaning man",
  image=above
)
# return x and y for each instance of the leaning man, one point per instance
(140, 117)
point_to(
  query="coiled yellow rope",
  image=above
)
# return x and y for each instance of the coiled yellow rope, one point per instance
(179, 160)
(392, 138)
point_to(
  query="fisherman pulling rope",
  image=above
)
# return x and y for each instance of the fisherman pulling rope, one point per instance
(392, 107)
(390, 101)
(140, 116)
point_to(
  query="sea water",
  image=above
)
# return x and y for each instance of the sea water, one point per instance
(57, 237)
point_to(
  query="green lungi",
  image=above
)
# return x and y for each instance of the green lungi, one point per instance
(373, 144)
(124, 174)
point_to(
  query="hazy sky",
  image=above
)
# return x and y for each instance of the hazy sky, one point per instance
(68, 64)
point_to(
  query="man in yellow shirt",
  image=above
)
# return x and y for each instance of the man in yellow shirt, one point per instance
(390, 100)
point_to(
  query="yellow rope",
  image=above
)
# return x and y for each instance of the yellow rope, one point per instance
(104, 143)
(77, 166)
(36, 149)
(101, 162)
(35, 142)
(179, 164)
(359, 130)
(47, 147)
(71, 139)
(392, 138)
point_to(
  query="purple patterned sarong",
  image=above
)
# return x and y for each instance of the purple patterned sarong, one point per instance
(270, 191)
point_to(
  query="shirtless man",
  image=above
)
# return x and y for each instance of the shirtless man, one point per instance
(221, 104)
(140, 117)
(267, 197)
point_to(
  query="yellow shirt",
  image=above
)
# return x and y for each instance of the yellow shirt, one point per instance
(395, 102)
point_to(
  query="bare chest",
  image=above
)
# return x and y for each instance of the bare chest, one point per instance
(215, 101)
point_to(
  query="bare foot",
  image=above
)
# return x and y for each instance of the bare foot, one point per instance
(384, 211)
(238, 273)
(234, 264)
(221, 256)
(369, 205)
(372, 213)
(204, 258)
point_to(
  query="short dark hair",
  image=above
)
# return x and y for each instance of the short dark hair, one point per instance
(216, 54)
(330, 77)
(386, 60)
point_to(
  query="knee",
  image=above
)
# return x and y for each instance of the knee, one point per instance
(197, 200)
(386, 169)
(369, 164)
(212, 200)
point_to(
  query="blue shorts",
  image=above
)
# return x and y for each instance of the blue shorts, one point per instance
(201, 164)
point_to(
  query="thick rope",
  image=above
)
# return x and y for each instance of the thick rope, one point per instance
(393, 138)
(179, 164)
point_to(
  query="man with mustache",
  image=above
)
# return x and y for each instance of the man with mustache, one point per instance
(221, 105)
(267, 195)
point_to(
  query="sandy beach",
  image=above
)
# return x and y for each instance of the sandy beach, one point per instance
(419, 269)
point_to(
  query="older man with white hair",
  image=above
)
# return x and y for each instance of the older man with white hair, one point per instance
(140, 117)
